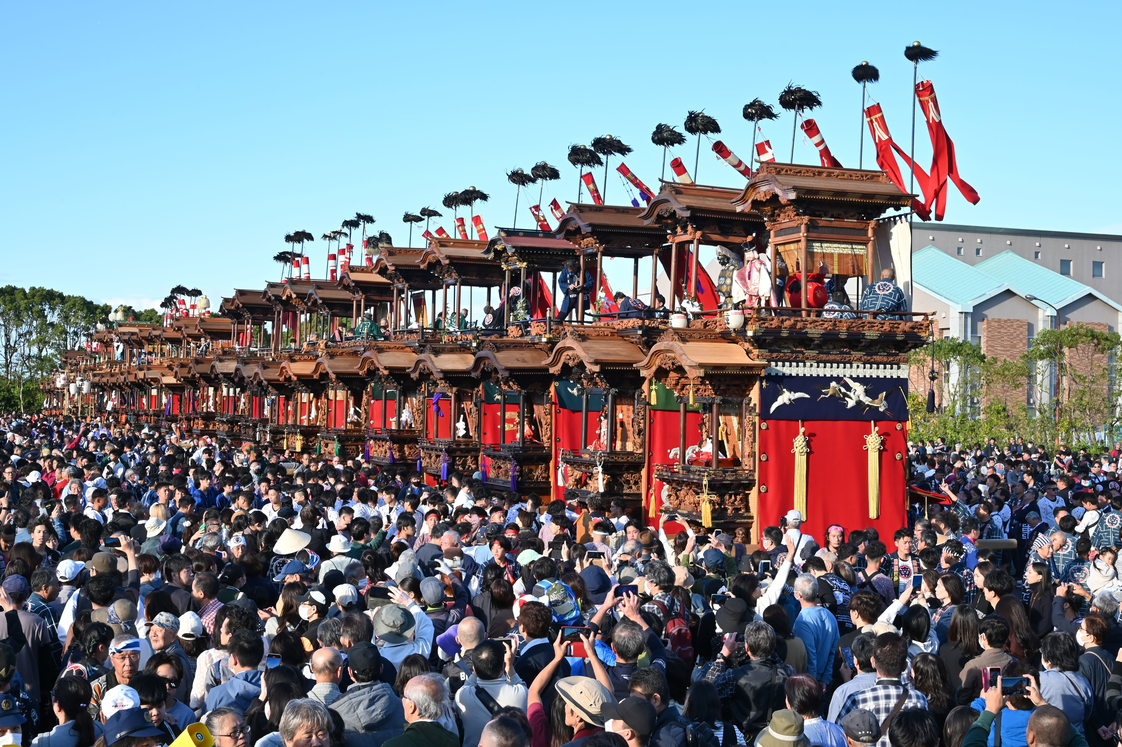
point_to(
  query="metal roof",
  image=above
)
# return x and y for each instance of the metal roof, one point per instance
(1030, 278)
(950, 279)
(919, 228)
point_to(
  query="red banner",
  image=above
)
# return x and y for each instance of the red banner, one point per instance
(644, 190)
(543, 224)
(461, 228)
(590, 182)
(555, 208)
(837, 475)
(480, 232)
(664, 441)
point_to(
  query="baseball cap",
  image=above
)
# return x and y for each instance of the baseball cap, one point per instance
(785, 730)
(103, 562)
(586, 696)
(129, 722)
(190, 625)
(290, 568)
(315, 596)
(68, 570)
(167, 621)
(33, 477)
(794, 515)
(119, 698)
(363, 656)
(713, 558)
(10, 714)
(637, 713)
(405, 569)
(861, 726)
(17, 585)
(345, 595)
(432, 591)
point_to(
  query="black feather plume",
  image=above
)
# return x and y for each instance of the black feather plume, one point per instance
(428, 212)
(304, 236)
(610, 145)
(180, 290)
(544, 172)
(866, 73)
(282, 257)
(351, 223)
(411, 218)
(451, 200)
(757, 111)
(364, 218)
(471, 195)
(385, 238)
(796, 98)
(700, 123)
(520, 178)
(919, 53)
(666, 136)
(582, 155)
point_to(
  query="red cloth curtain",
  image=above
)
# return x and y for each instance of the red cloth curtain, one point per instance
(663, 437)
(837, 475)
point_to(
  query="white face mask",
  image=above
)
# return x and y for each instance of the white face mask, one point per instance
(1081, 638)
(305, 613)
(11, 738)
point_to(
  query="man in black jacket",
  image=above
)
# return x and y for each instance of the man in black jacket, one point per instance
(756, 687)
(536, 652)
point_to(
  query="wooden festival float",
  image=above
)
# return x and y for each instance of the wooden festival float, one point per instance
(726, 417)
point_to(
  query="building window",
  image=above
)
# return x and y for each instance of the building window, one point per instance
(1096, 269)
(1036, 255)
(1065, 267)
(958, 251)
(977, 251)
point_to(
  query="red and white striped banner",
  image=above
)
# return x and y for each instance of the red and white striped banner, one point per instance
(461, 228)
(536, 211)
(764, 151)
(555, 208)
(427, 235)
(480, 232)
(648, 194)
(332, 268)
(590, 182)
(810, 127)
(679, 169)
(730, 158)
(307, 267)
(442, 233)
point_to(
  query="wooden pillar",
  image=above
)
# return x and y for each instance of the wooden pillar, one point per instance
(408, 305)
(580, 296)
(506, 304)
(803, 269)
(693, 270)
(598, 281)
(714, 429)
(654, 275)
(452, 413)
(673, 274)
(583, 415)
(682, 435)
(522, 288)
(610, 415)
(393, 310)
(461, 322)
(443, 304)
(521, 417)
(635, 279)
(502, 414)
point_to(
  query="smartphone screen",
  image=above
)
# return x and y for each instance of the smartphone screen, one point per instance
(847, 652)
(991, 675)
(719, 599)
(917, 581)
(595, 554)
(571, 633)
(112, 542)
(765, 567)
(1011, 685)
(622, 591)
(272, 660)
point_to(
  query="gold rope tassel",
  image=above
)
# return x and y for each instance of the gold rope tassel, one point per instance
(652, 512)
(801, 451)
(873, 443)
(706, 505)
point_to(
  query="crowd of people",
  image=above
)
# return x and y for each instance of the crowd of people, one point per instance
(152, 580)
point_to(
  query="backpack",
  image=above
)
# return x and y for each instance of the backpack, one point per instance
(700, 734)
(678, 634)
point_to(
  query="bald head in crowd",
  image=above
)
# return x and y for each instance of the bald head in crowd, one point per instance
(503, 732)
(327, 665)
(470, 633)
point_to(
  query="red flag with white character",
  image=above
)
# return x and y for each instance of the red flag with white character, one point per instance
(878, 127)
(943, 163)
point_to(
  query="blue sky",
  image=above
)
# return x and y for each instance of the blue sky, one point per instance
(150, 144)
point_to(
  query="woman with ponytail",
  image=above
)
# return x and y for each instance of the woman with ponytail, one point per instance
(76, 728)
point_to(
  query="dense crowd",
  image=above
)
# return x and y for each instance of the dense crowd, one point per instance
(152, 580)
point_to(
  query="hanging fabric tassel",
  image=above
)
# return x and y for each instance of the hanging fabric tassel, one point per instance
(692, 402)
(389, 451)
(444, 467)
(513, 475)
(801, 451)
(706, 505)
(483, 469)
(931, 400)
(419, 464)
(652, 509)
(873, 443)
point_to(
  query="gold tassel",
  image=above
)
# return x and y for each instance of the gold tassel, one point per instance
(801, 450)
(692, 402)
(652, 512)
(706, 505)
(873, 443)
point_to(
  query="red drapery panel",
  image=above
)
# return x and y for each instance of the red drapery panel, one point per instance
(663, 437)
(837, 475)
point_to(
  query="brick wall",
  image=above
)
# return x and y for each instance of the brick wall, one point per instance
(1005, 340)
(1085, 359)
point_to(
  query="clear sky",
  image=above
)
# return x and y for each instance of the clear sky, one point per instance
(152, 144)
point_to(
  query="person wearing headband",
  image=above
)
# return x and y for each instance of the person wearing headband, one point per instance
(124, 657)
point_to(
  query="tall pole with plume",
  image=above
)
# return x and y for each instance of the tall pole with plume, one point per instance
(666, 137)
(468, 198)
(428, 213)
(916, 53)
(411, 218)
(608, 146)
(292, 240)
(756, 111)
(797, 99)
(452, 202)
(581, 156)
(365, 220)
(700, 123)
(543, 173)
(864, 74)
(519, 179)
(285, 260)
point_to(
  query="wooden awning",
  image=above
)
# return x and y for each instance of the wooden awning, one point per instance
(338, 367)
(594, 353)
(511, 361)
(442, 366)
(297, 371)
(387, 359)
(537, 250)
(465, 261)
(617, 229)
(330, 298)
(681, 207)
(820, 191)
(700, 358)
(403, 267)
(247, 304)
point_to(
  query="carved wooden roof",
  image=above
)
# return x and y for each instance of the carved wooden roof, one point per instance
(336, 367)
(300, 370)
(616, 228)
(267, 372)
(537, 250)
(402, 266)
(362, 280)
(442, 365)
(247, 304)
(223, 367)
(820, 191)
(595, 353)
(465, 260)
(387, 359)
(700, 358)
(329, 297)
(511, 361)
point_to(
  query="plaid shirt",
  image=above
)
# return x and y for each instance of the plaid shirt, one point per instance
(991, 530)
(962, 510)
(884, 295)
(1064, 557)
(967, 575)
(673, 608)
(881, 699)
(36, 606)
(207, 613)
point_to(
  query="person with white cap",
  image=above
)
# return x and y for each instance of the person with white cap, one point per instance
(287, 545)
(338, 546)
(805, 546)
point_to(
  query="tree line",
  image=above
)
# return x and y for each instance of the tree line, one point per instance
(1063, 389)
(36, 326)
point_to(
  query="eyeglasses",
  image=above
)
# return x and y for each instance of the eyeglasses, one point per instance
(243, 732)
